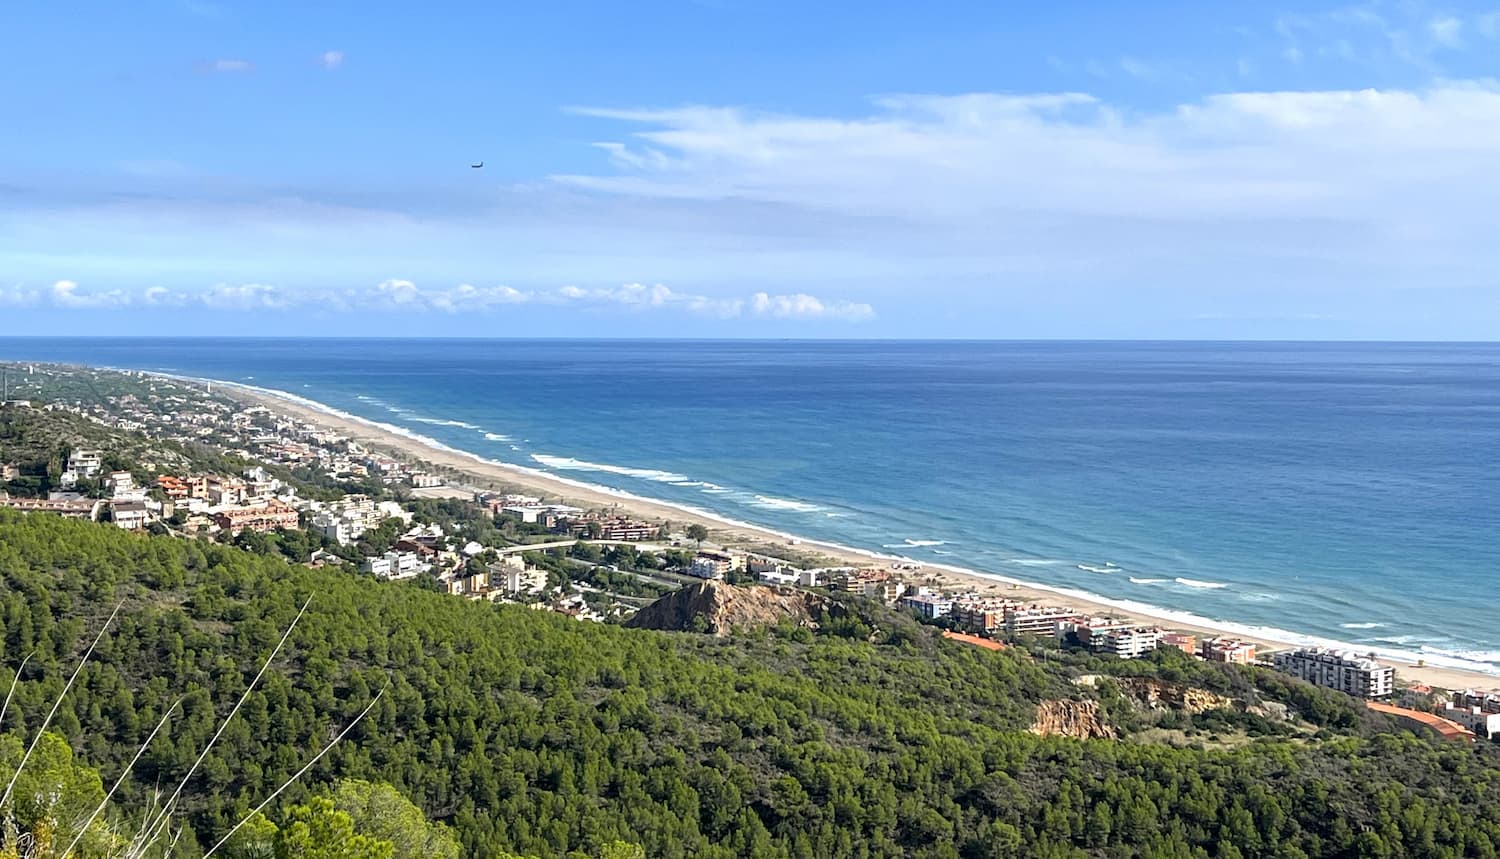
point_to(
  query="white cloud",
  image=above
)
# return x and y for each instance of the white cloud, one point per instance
(1369, 156)
(1448, 31)
(64, 293)
(801, 306)
(228, 65)
(396, 295)
(331, 59)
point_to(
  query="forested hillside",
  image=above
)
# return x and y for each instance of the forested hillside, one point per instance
(532, 733)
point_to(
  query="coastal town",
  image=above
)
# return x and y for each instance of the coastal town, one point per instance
(242, 473)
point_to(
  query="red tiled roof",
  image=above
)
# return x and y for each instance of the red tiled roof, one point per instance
(1446, 728)
(986, 643)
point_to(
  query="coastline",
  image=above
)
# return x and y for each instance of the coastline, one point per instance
(486, 473)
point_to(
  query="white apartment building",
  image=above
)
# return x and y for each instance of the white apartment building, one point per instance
(1035, 620)
(929, 606)
(395, 565)
(524, 581)
(85, 462)
(1484, 725)
(711, 565)
(1119, 639)
(1336, 669)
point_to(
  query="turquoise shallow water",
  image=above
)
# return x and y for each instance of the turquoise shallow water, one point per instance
(1342, 491)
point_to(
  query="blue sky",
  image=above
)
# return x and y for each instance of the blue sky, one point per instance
(765, 169)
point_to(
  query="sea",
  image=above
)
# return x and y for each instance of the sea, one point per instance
(1328, 493)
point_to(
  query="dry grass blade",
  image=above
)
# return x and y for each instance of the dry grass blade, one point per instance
(298, 774)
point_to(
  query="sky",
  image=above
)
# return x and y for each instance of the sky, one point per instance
(729, 168)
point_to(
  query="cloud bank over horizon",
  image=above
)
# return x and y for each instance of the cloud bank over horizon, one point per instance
(404, 296)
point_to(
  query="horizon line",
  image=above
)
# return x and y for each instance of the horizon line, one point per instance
(671, 339)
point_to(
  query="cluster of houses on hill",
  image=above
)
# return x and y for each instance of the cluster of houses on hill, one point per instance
(566, 521)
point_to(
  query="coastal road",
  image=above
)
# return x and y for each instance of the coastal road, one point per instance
(563, 544)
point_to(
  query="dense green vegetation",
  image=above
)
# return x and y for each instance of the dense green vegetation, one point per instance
(533, 734)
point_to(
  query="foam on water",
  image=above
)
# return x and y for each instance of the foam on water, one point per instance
(909, 543)
(773, 503)
(1136, 581)
(494, 436)
(1488, 656)
(1201, 585)
(1362, 625)
(440, 422)
(1089, 568)
(567, 463)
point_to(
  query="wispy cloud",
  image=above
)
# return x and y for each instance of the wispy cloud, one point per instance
(1447, 31)
(398, 295)
(1377, 35)
(231, 66)
(1140, 69)
(331, 59)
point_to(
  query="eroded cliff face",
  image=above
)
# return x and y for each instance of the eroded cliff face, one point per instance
(1081, 720)
(718, 608)
(1159, 695)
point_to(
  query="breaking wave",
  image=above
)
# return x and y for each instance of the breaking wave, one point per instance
(567, 463)
(1195, 583)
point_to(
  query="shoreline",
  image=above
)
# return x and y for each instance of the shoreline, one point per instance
(744, 535)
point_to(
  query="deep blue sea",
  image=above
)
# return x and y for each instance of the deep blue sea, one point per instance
(1342, 491)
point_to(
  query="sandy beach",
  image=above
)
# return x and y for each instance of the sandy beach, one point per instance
(474, 471)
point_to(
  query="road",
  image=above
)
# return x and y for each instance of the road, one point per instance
(563, 544)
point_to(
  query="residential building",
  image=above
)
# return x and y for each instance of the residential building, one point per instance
(621, 529)
(172, 487)
(711, 565)
(85, 462)
(474, 585)
(1186, 642)
(9, 471)
(887, 591)
(810, 578)
(130, 515)
(423, 480)
(269, 516)
(225, 491)
(1119, 639)
(67, 508)
(524, 580)
(530, 514)
(120, 482)
(756, 564)
(1035, 620)
(1230, 650)
(929, 606)
(979, 617)
(1345, 671)
(1483, 724)
(777, 578)
(395, 565)
(1488, 702)
(854, 581)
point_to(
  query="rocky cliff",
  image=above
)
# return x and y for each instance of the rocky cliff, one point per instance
(717, 608)
(1081, 720)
